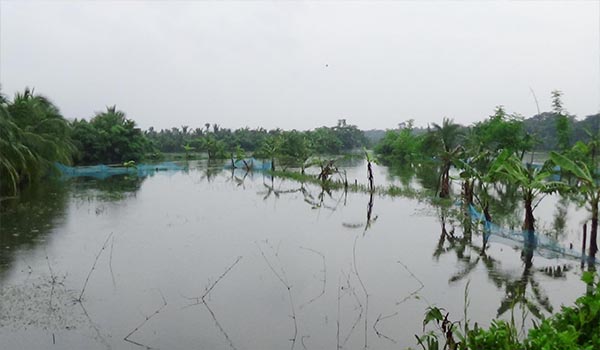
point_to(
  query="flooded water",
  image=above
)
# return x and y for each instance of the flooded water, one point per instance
(207, 259)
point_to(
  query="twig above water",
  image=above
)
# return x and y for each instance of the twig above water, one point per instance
(221, 329)
(324, 280)
(202, 300)
(286, 284)
(416, 291)
(112, 275)
(93, 267)
(363, 288)
(381, 318)
(156, 312)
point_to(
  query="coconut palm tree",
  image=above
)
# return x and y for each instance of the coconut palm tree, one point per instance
(34, 136)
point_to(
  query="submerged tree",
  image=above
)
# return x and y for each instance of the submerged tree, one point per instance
(295, 148)
(587, 185)
(400, 147)
(270, 149)
(531, 181)
(447, 136)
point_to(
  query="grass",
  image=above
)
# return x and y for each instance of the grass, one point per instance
(389, 190)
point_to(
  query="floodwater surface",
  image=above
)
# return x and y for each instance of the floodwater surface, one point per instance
(209, 259)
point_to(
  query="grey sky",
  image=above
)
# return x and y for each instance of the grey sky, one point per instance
(302, 64)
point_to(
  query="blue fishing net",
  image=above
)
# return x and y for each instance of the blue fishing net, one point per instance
(102, 171)
(544, 246)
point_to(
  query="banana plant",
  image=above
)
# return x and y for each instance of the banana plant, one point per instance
(448, 137)
(587, 185)
(532, 182)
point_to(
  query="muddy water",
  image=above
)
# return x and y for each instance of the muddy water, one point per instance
(203, 259)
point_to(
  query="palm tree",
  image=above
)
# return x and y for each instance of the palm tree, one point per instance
(447, 136)
(14, 155)
(34, 137)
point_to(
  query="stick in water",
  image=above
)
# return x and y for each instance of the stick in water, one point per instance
(94, 266)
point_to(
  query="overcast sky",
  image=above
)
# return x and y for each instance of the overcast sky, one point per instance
(302, 64)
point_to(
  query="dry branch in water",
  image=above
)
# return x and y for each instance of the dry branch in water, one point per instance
(324, 280)
(351, 290)
(221, 329)
(363, 288)
(421, 285)
(93, 267)
(52, 281)
(156, 312)
(201, 299)
(101, 338)
(380, 318)
(112, 275)
(287, 286)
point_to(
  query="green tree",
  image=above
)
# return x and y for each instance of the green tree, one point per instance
(296, 148)
(587, 185)
(400, 147)
(531, 181)
(109, 137)
(34, 135)
(502, 131)
(563, 126)
(270, 149)
(447, 137)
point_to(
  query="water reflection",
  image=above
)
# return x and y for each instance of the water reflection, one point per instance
(28, 220)
(522, 291)
(404, 173)
(323, 200)
(111, 189)
(560, 219)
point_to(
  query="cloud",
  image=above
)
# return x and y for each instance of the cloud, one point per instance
(301, 65)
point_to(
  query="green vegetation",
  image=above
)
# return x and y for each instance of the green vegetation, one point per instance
(587, 185)
(292, 147)
(445, 142)
(109, 137)
(574, 327)
(33, 135)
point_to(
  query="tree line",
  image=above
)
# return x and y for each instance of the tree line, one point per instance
(489, 159)
(219, 142)
(34, 135)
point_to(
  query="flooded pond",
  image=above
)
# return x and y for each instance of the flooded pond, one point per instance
(203, 258)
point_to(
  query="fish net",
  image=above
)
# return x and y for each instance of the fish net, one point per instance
(543, 245)
(102, 171)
